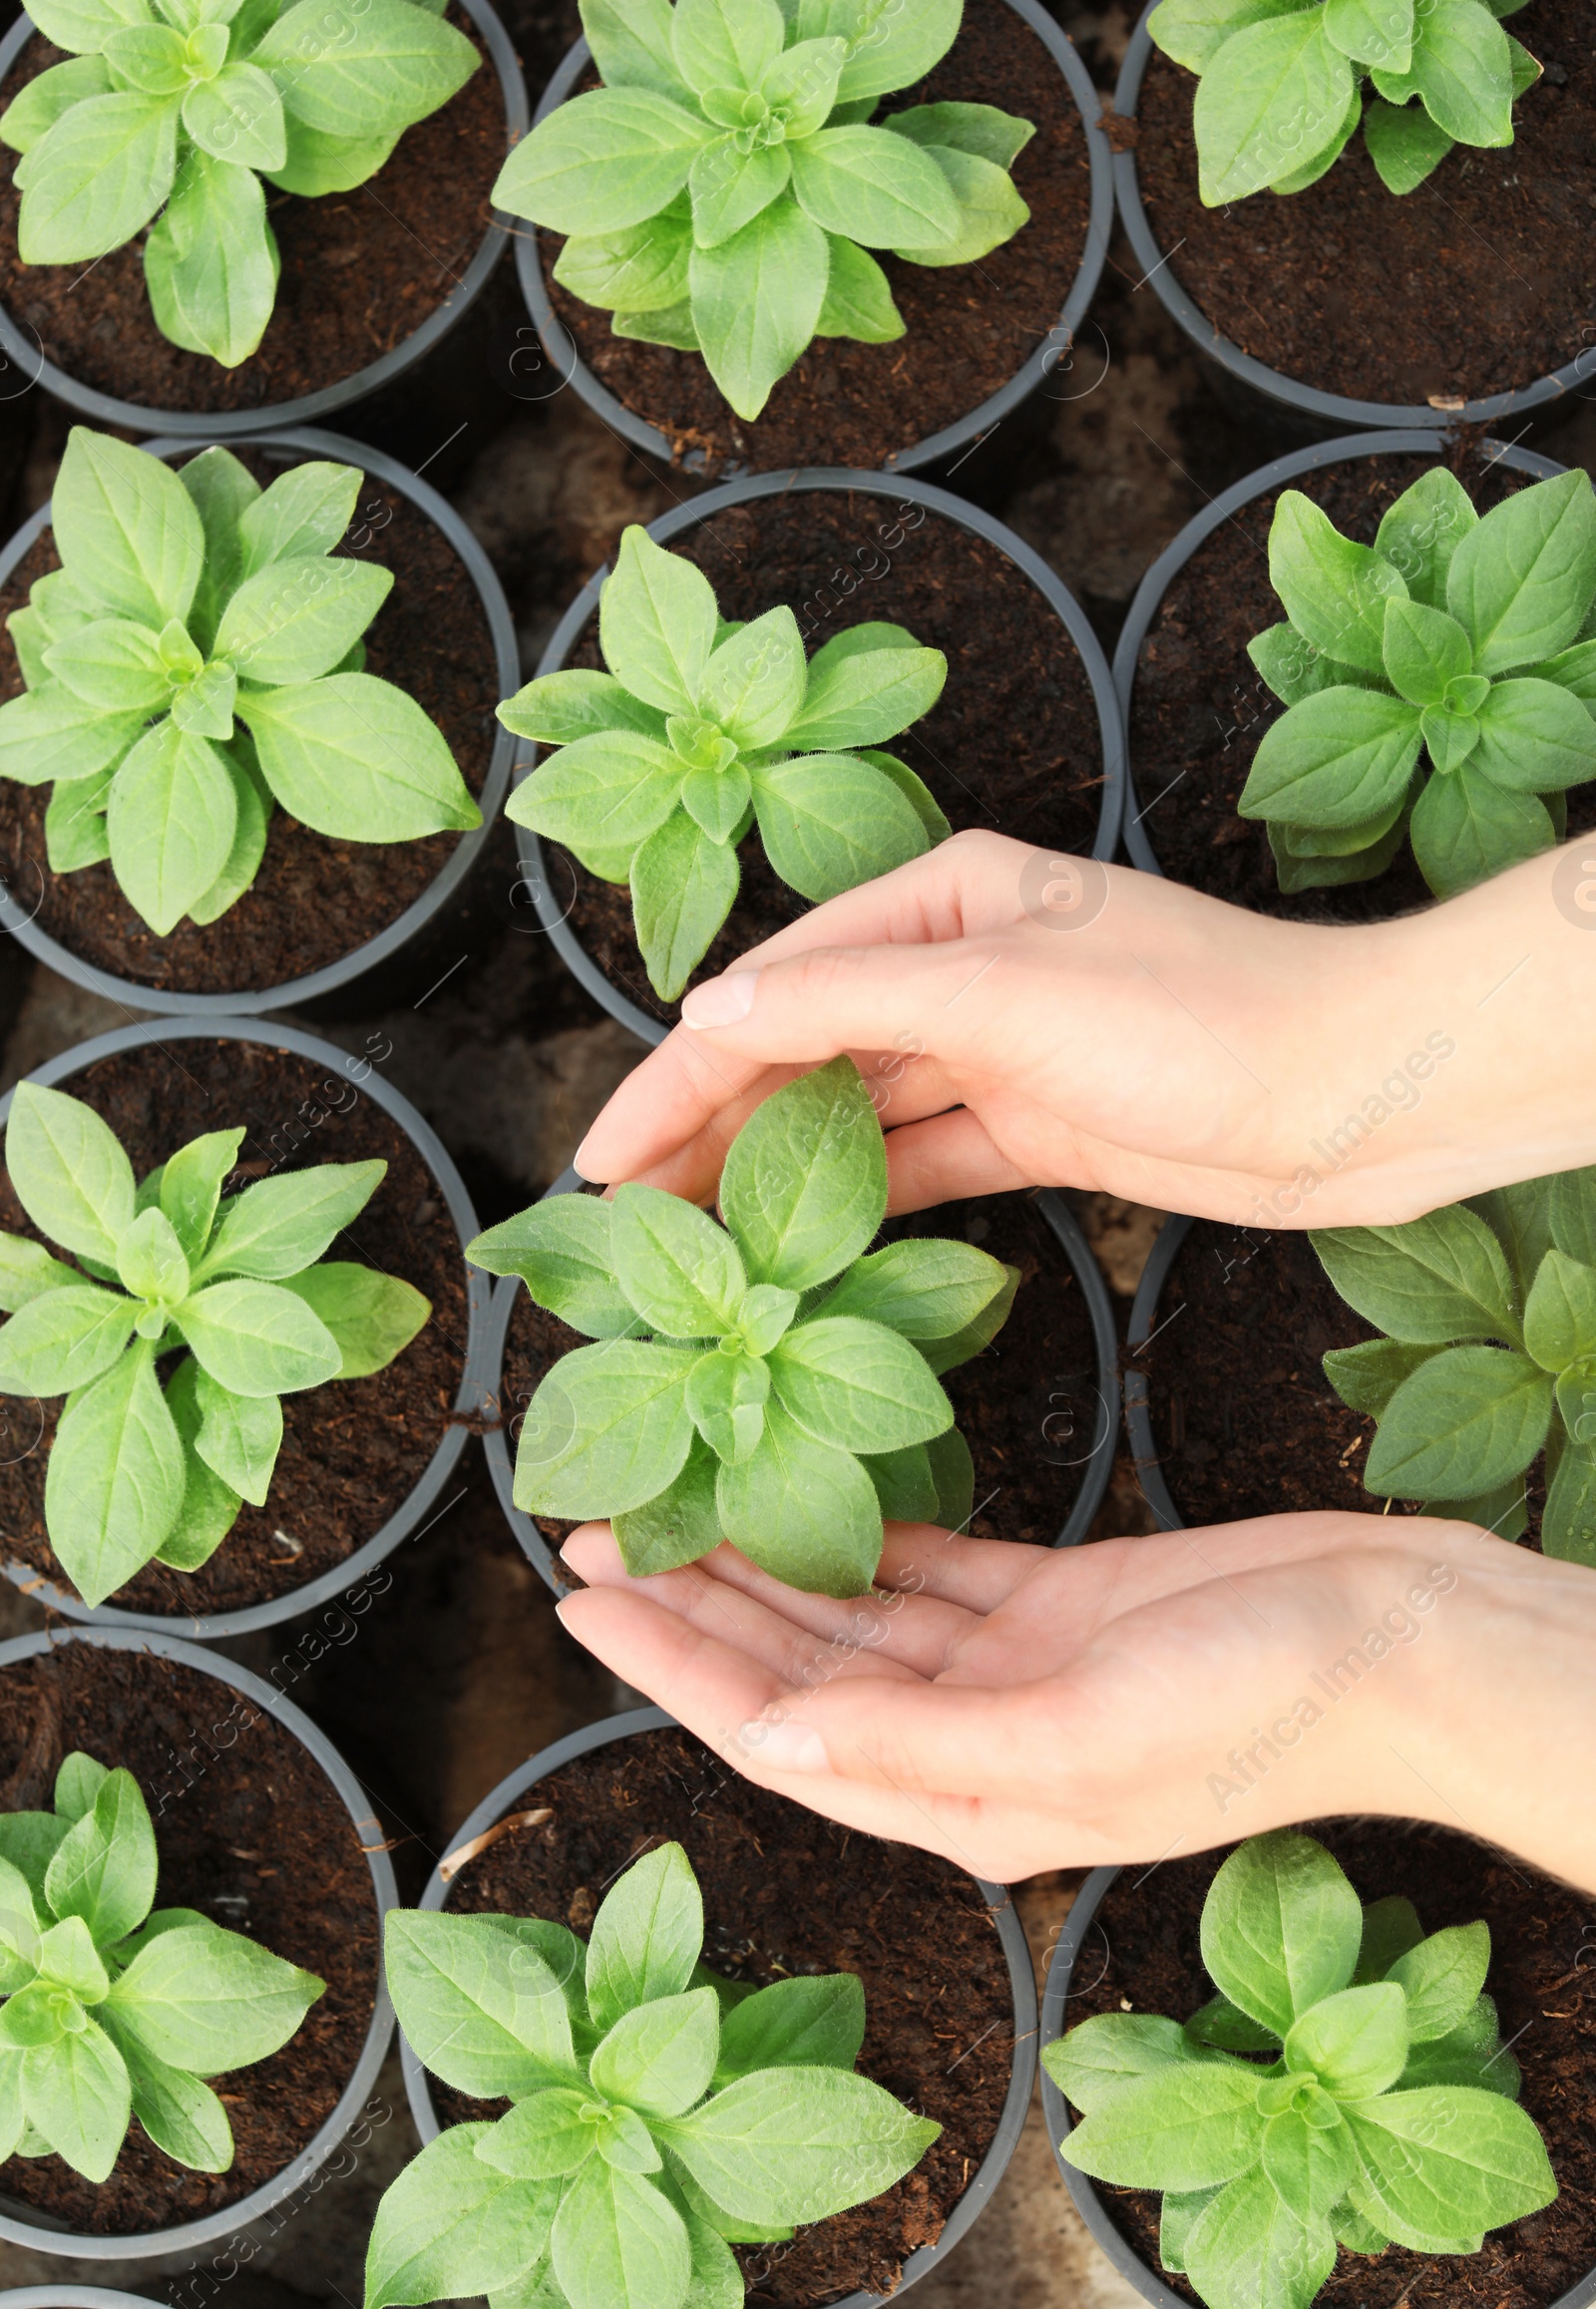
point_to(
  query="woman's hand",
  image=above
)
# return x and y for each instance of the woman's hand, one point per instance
(1019, 1708)
(1028, 1020)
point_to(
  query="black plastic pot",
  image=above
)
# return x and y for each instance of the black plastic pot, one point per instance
(22, 351)
(499, 1438)
(1055, 2112)
(1138, 1410)
(566, 365)
(1269, 478)
(399, 1526)
(17, 907)
(552, 897)
(1302, 404)
(992, 2167)
(28, 2226)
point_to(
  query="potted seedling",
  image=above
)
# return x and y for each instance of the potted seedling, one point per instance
(184, 1361)
(758, 222)
(190, 1915)
(691, 1986)
(1285, 144)
(211, 797)
(1306, 750)
(703, 729)
(938, 691)
(760, 1382)
(1346, 2092)
(658, 2111)
(208, 151)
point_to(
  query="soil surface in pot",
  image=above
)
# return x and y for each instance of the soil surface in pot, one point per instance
(351, 1451)
(1199, 709)
(1479, 282)
(1029, 1407)
(1141, 1954)
(970, 328)
(262, 1843)
(361, 271)
(314, 900)
(1011, 745)
(1244, 1420)
(787, 1893)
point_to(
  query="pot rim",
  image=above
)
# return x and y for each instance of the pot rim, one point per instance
(966, 432)
(383, 945)
(1343, 450)
(241, 424)
(1017, 1952)
(402, 1524)
(839, 481)
(1099, 1463)
(1274, 384)
(1055, 2112)
(385, 1892)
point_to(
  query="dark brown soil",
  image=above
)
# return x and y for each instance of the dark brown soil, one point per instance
(787, 1893)
(1149, 1957)
(361, 271)
(1029, 1407)
(263, 1843)
(970, 328)
(1244, 1420)
(351, 1451)
(314, 900)
(1479, 282)
(1013, 744)
(1199, 710)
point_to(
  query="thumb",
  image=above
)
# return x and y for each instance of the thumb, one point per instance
(809, 1008)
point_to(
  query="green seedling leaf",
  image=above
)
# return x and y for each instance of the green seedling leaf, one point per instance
(481, 2009)
(677, 1526)
(1251, 2244)
(1480, 2164)
(205, 1999)
(77, 2095)
(1354, 2042)
(1442, 1978)
(802, 1511)
(646, 1937)
(1281, 1931)
(607, 1429)
(78, 1782)
(280, 1226)
(1519, 582)
(659, 2057)
(256, 1338)
(104, 1870)
(1420, 533)
(1428, 1283)
(1559, 1316)
(801, 2023)
(355, 759)
(561, 1249)
(1186, 2125)
(371, 1318)
(65, 1339)
(805, 1184)
(684, 881)
(181, 2115)
(1467, 1420)
(857, 1385)
(797, 2144)
(69, 1171)
(616, 2239)
(681, 1272)
(452, 2220)
(1390, 1929)
(1103, 2055)
(114, 1483)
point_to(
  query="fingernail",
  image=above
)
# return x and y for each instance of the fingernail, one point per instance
(722, 1001)
(580, 1166)
(790, 1747)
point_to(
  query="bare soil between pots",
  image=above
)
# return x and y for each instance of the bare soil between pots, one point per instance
(788, 1893)
(969, 328)
(352, 1451)
(361, 271)
(314, 898)
(1012, 745)
(1028, 1407)
(1141, 1954)
(1479, 282)
(1199, 709)
(258, 1839)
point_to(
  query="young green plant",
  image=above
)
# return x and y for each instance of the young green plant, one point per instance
(1464, 642)
(195, 661)
(1347, 2087)
(176, 112)
(110, 2012)
(659, 2114)
(700, 729)
(141, 1469)
(760, 1382)
(1281, 86)
(723, 189)
(1489, 1356)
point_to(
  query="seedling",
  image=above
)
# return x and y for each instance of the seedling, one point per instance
(140, 1470)
(701, 727)
(1280, 90)
(759, 1381)
(723, 189)
(195, 661)
(176, 112)
(658, 2112)
(110, 2012)
(1489, 1356)
(1346, 2087)
(1470, 643)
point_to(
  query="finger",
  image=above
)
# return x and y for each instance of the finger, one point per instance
(966, 885)
(976, 1574)
(947, 1158)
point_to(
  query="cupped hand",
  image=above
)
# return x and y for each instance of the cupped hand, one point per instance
(1019, 1708)
(1029, 1021)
